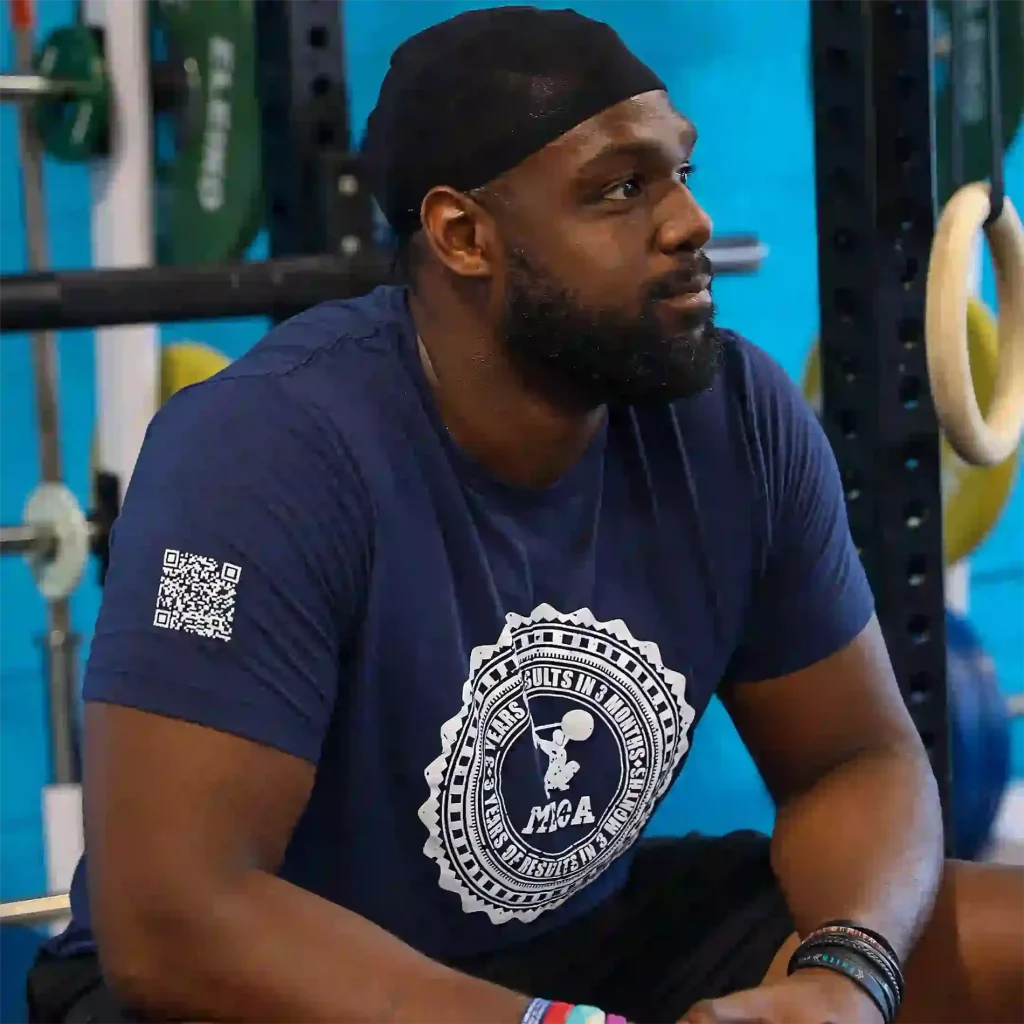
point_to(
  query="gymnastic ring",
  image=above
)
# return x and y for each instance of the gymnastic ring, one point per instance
(977, 439)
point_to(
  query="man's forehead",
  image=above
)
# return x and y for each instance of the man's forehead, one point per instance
(647, 118)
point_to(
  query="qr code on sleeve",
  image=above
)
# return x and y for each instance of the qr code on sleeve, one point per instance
(197, 595)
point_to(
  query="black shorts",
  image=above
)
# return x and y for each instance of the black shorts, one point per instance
(699, 918)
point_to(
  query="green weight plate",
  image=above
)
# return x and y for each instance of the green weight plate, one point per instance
(74, 126)
(974, 107)
(211, 203)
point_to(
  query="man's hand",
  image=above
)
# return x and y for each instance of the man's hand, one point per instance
(809, 996)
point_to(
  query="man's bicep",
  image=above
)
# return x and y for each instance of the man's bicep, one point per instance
(236, 567)
(174, 812)
(800, 725)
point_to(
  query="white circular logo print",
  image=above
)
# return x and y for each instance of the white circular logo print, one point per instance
(570, 732)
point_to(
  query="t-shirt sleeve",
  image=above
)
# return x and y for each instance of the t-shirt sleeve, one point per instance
(812, 597)
(238, 568)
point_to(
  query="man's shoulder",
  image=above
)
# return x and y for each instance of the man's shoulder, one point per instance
(329, 342)
(330, 364)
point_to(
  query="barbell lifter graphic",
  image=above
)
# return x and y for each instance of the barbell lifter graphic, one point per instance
(576, 725)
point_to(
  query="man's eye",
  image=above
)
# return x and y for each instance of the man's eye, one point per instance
(631, 188)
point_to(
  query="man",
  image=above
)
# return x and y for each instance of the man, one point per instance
(363, 573)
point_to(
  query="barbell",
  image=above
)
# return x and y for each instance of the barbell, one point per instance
(37, 910)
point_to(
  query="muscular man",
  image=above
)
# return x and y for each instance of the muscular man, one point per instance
(356, 570)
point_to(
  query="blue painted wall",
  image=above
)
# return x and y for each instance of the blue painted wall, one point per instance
(740, 71)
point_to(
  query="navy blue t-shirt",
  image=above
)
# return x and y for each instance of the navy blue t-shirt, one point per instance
(496, 684)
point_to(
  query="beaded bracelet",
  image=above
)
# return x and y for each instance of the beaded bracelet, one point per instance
(544, 1011)
(855, 967)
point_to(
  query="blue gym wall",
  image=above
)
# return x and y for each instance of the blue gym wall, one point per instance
(740, 70)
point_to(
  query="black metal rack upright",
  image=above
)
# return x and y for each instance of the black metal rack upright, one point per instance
(316, 201)
(876, 204)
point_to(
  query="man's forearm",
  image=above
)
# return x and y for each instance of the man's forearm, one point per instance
(269, 951)
(865, 843)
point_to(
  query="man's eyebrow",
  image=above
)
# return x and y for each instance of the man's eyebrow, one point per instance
(638, 149)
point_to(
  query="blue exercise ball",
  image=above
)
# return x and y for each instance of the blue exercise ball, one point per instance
(719, 789)
(979, 730)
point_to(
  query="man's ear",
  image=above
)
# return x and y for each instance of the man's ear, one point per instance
(461, 232)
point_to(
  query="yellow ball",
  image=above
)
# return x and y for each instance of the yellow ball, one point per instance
(187, 362)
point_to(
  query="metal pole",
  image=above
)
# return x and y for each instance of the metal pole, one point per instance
(60, 671)
(22, 540)
(28, 87)
(34, 911)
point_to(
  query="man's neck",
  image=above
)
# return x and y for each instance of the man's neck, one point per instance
(517, 435)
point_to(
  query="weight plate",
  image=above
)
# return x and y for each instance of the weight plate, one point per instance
(211, 205)
(974, 112)
(51, 506)
(973, 496)
(74, 127)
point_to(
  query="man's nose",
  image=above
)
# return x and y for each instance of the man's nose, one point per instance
(684, 224)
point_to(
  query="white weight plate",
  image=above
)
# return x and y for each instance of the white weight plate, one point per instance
(53, 507)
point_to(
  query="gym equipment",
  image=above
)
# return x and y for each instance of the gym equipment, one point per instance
(973, 496)
(966, 106)
(981, 440)
(209, 200)
(55, 538)
(72, 114)
(54, 553)
(38, 910)
(719, 789)
(278, 288)
(61, 539)
(969, 157)
(187, 362)
(211, 193)
(980, 738)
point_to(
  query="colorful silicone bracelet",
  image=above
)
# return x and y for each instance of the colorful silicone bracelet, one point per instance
(544, 1011)
(583, 1014)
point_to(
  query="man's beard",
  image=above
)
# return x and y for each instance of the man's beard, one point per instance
(586, 357)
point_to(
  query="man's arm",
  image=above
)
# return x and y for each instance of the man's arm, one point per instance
(237, 577)
(812, 692)
(859, 828)
(186, 827)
